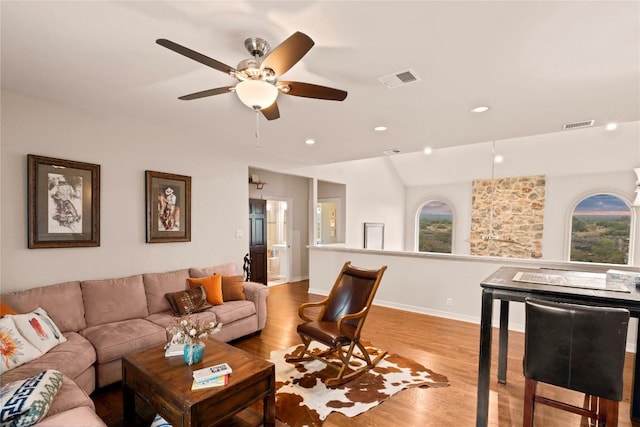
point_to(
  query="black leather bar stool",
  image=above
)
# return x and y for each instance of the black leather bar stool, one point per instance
(579, 348)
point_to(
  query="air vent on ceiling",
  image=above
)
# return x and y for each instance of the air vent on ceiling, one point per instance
(399, 78)
(393, 151)
(575, 125)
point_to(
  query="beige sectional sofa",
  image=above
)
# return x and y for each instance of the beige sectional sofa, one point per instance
(103, 320)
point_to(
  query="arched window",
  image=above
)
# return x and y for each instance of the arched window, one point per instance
(600, 230)
(435, 227)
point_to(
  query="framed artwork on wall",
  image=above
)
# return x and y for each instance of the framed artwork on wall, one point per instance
(168, 201)
(373, 235)
(64, 203)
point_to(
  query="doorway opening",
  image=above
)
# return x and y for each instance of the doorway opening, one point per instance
(278, 244)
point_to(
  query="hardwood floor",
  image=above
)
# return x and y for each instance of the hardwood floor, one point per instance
(446, 346)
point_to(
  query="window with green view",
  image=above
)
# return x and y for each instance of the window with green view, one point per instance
(600, 230)
(435, 227)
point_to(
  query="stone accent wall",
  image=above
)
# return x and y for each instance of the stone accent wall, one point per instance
(518, 213)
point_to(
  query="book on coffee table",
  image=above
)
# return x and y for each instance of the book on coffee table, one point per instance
(212, 372)
(211, 382)
(174, 350)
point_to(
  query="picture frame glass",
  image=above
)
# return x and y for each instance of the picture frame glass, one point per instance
(63, 203)
(168, 202)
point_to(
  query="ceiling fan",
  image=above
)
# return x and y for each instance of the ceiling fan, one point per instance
(258, 85)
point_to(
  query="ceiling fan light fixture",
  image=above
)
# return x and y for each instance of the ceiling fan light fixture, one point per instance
(256, 94)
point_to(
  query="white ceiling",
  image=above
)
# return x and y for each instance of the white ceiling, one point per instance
(537, 64)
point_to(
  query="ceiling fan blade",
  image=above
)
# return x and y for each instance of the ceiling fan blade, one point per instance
(287, 53)
(271, 112)
(209, 92)
(196, 56)
(309, 90)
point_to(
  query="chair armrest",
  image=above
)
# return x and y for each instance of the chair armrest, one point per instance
(359, 315)
(306, 305)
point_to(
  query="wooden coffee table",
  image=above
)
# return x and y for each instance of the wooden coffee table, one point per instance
(165, 383)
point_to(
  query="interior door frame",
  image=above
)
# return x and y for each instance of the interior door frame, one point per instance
(289, 230)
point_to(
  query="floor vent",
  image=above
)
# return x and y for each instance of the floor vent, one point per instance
(393, 151)
(576, 125)
(399, 78)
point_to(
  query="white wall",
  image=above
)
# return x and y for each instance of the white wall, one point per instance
(375, 193)
(124, 150)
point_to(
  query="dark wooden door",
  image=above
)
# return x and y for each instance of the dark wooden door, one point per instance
(258, 240)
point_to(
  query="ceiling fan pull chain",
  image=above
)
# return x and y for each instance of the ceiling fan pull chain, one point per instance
(257, 129)
(493, 168)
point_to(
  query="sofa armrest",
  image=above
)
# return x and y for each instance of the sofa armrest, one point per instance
(258, 293)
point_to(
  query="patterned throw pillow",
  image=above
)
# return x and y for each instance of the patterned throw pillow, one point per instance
(15, 350)
(186, 302)
(24, 403)
(38, 328)
(158, 421)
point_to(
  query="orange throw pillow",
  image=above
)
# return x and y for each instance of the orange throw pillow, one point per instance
(233, 288)
(212, 286)
(5, 309)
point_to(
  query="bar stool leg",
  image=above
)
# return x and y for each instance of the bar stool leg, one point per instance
(529, 401)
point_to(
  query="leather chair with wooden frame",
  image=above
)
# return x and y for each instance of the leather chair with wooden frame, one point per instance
(339, 323)
(579, 348)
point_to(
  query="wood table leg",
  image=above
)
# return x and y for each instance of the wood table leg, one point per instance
(269, 404)
(128, 406)
(484, 365)
(503, 344)
(635, 386)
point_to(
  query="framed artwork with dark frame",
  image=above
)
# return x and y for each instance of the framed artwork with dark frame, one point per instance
(64, 203)
(373, 235)
(168, 198)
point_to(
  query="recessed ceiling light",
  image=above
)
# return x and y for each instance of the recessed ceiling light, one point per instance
(380, 128)
(309, 141)
(498, 158)
(480, 109)
(612, 126)
(427, 150)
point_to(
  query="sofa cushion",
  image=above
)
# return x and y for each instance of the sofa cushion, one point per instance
(70, 396)
(63, 303)
(16, 349)
(212, 286)
(233, 288)
(233, 310)
(72, 358)
(116, 339)
(189, 301)
(157, 285)
(224, 270)
(25, 402)
(81, 416)
(114, 300)
(39, 329)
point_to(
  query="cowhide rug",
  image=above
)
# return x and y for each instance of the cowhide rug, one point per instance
(302, 399)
